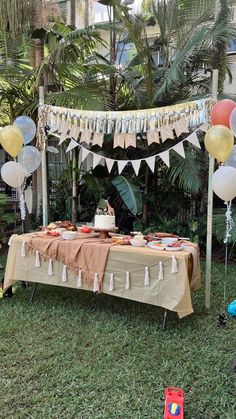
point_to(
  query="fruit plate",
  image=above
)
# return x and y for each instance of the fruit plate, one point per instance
(156, 245)
(174, 249)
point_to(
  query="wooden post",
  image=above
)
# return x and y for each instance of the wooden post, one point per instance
(215, 74)
(44, 168)
(74, 185)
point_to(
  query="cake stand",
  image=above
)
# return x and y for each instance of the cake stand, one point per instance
(104, 233)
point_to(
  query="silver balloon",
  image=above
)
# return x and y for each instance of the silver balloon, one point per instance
(30, 158)
(232, 158)
(27, 127)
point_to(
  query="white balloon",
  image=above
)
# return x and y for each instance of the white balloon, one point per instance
(13, 174)
(231, 161)
(224, 183)
(30, 158)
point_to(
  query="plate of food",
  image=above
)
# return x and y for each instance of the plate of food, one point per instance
(156, 245)
(175, 246)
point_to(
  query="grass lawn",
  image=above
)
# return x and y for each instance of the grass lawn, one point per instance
(72, 354)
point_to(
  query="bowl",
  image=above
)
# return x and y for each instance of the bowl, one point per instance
(69, 235)
(138, 242)
(168, 240)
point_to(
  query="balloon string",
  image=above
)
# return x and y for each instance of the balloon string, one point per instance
(226, 270)
(229, 221)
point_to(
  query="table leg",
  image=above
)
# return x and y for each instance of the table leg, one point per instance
(164, 322)
(33, 292)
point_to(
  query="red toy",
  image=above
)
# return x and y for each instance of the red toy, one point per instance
(174, 403)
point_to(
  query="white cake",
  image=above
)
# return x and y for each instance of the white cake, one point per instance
(106, 222)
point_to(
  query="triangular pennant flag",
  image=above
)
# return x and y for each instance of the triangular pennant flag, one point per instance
(72, 145)
(152, 137)
(204, 127)
(98, 138)
(85, 136)
(121, 165)
(136, 165)
(52, 130)
(180, 127)
(130, 140)
(151, 163)
(119, 140)
(166, 132)
(109, 163)
(193, 139)
(63, 127)
(165, 157)
(74, 132)
(84, 153)
(96, 159)
(179, 148)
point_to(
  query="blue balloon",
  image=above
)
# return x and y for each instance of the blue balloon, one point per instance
(231, 309)
(27, 127)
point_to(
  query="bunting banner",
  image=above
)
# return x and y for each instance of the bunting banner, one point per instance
(157, 124)
(136, 163)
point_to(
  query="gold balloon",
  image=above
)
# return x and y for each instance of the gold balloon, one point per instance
(219, 142)
(11, 140)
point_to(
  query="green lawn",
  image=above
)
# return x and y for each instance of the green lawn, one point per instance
(72, 354)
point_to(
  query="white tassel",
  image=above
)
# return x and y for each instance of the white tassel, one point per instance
(95, 283)
(161, 271)
(146, 277)
(111, 283)
(50, 267)
(127, 281)
(64, 274)
(79, 279)
(37, 260)
(23, 249)
(174, 267)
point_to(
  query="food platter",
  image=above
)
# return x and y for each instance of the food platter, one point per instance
(174, 249)
(156, 245)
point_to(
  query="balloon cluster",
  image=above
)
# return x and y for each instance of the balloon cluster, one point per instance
(219, 142)
(14, 139)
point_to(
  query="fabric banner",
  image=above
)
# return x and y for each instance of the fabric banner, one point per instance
(151, 162)
(152, 137)
(136, 165)
(121, 165)
(85, 136)
(109, 163)
(98, 138)
(130, 140)
(72, 145)
(179, 148)
(84, 153)
(165, 157)
(119, 140)
(96, 159)
(193, 139)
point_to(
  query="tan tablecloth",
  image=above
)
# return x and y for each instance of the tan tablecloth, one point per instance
(173, 292)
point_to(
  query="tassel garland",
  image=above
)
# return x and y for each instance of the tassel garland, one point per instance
(161, 271)
(174, 266)
(64, 274)
(95, 283)
(50, 267)
(111, 283)
(37, 260)
(23, 249)
(127, 281)
(146, 277)
(79, 279)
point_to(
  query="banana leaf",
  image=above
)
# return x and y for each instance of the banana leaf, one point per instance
(130, 194)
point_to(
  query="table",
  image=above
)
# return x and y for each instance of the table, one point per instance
(172, 292)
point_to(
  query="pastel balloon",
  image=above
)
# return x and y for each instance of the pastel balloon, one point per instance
(11, 140)
(224, 183)
(231, 160)
(219, 142)
(30, 158)
(232, 121)
(27, 127)
(221, 112)
(13, 174)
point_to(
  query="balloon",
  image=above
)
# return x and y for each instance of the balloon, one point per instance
(232, 121)
(224, 183)
(219, 141)
(29, 158)
(27, 127)
(13, 174)
(221, 112)
(11, 140)
(231, 161)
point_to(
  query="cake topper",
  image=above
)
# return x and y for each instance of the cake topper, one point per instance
(104, 208)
